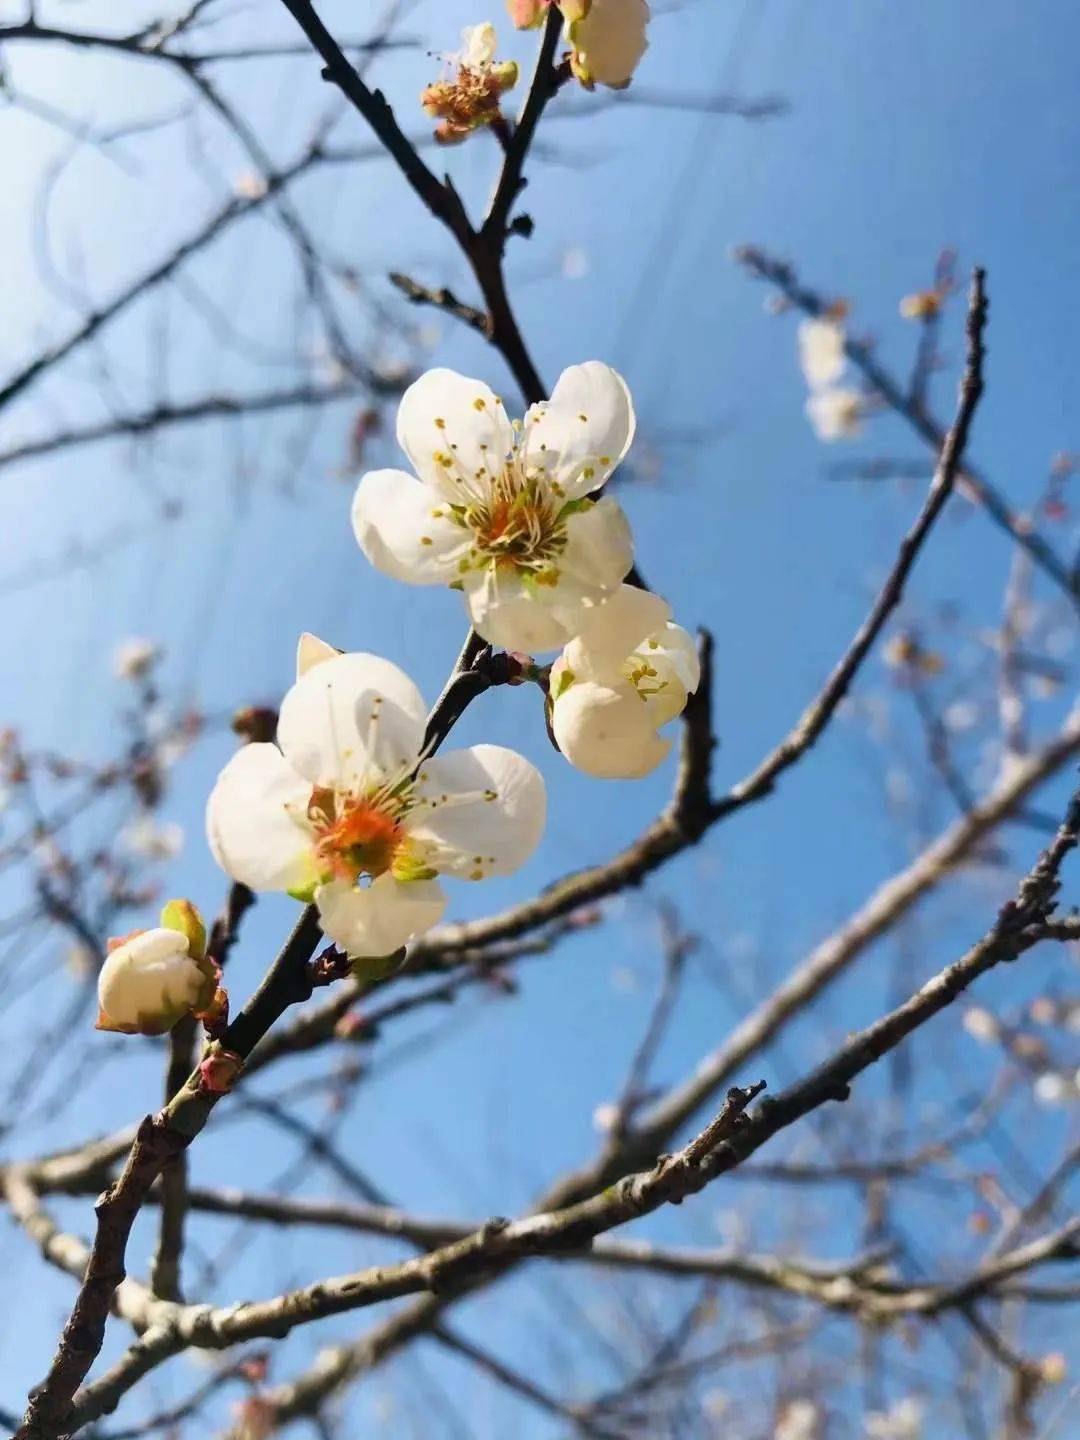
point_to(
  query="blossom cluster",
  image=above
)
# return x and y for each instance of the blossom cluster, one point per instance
(606, 40)
(344, 804)
(512, 516)
(349, 809)
(834, 409)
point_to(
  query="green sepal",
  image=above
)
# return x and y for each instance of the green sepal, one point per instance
(183, 916)
(369, 969)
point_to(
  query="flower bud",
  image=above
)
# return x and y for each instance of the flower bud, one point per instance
(218, 1070)
(505, 74)
(151, 980)
(255, 724)
(923, 305)
(527, 14)
(607, 39)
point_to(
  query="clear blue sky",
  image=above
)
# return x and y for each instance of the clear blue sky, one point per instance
(911, 128)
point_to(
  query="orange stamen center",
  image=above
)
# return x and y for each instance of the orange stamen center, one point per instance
(355, 837)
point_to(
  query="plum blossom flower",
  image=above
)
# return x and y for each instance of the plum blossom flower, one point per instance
(348, 811)
(507, 514)
(133, 659)
(902, 1422)
(836, 413)
(153, 978)
(148, 840)
(821, 352)
(607, 42)
(799, 1420)
(923, 305)
(628, 673)
(471, 96)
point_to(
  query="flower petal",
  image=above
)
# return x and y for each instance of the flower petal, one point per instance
(506, 613)
(255, 820)
(351, 721)
(454, 430)
(379, 918)
(599, 545)
(312, 651)
(821, 352)
(606, 731)
(609, 42)
(406, 529)
(582, 433)
(481, 811)
(614, 629)
(673, 650)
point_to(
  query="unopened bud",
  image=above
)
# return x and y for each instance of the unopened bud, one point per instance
(150, 981)
(218, 1070)
(527, 14)
(1053, 1368)
(257, 724)
(923, 305)
(505, 74)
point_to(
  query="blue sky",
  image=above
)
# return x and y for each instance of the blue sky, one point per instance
(910, 128)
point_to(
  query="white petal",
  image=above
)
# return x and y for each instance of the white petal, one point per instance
(351, 721)
(482, 811)
(821, 352)
(445, 416)
(150, 977)
(836, 414)
(613, 629)
(673, 651)
(312, 651)
(582, 433)
(254, 820)
(513, 618)
(599, 545)
(379, 918)
(607, 731)
(406, 530)
(610, 41)
(478, 43)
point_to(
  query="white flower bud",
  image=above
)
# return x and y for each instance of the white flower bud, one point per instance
(149, 982)
(134, 658)
(628, 673)
(608, 41)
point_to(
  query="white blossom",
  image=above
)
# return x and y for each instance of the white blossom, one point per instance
(478, 45)
(347, 810)
(836, 413)
(798, 1421)
(134, 658)
(607, 43)
(150, 841)
(507, 514)
(821, 352)
(1051, 1088)
(902, 1422)
(980, 1024)
(149, 982)
(627, 674)
(605, 1117)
